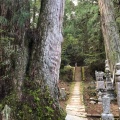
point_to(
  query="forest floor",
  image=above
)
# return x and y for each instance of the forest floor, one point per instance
(93, 110)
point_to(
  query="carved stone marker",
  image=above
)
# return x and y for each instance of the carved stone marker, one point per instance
(6, 113)
(99, 75)
(109, 84)
(62, 94)
(118, 92)
(106, 115)
(100, 85)
(108, 81)
(99, 97)
(106, 104)
(117, 74)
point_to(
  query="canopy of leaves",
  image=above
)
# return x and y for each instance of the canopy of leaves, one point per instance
(83, 41)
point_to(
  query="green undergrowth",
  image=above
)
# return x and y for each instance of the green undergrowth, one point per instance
(67, 73)
(72, 84)
(82, 73)
(35, 104)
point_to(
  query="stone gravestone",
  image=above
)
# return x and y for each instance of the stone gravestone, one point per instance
(109, 84)
(99, 75)
(106, 115)
(109, 87)
(117, 78)
(99, 97)
(100, 84)
(62, 94)
(96, 75)
(118, 92)
(6, 113)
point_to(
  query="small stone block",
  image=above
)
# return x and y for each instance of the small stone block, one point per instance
(106, 104)
(107, 116)
(100, 85)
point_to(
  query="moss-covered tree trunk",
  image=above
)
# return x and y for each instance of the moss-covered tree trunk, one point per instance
(40, 59)
(47, 57)
(110, 32)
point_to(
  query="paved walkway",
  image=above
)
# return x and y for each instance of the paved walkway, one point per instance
(75, 108)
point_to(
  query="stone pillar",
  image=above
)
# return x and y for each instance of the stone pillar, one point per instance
(62, 94)
(99, 97)
(109, 84)
(106, 115)
(100, 85)
(117, 80)
(6, 113)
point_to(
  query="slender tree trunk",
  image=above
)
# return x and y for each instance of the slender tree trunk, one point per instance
(110, 32)
(48, 51)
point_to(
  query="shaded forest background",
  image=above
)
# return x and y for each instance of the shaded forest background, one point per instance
(83, 38)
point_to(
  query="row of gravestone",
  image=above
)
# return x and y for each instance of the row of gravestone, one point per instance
(106, 89)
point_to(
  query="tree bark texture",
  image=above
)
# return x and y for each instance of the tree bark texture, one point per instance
(18, 29)
(42, 63)
(48, 53)
(110, 32)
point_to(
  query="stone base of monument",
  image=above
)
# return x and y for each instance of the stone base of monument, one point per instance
(105, 116)
(100, 103)
(111, 94)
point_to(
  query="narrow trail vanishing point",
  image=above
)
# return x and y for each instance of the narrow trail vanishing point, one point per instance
(75, 108)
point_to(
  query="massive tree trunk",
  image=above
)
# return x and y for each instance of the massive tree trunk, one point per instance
(110, 32)
(41, 61)
(48, 51)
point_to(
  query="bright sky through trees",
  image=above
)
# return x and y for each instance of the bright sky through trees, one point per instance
(75, 2)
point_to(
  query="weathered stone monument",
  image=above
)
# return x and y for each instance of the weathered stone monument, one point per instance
(100, 85)
(6, 113)
(109, 84)
(117, 80)
(99, 97)
(62, 94)
(106, 115)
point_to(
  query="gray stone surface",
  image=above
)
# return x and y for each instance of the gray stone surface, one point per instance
(107, 116)
(99, 75)
(92, 102)
(62, 94)
(100, 85)
(71, 117)
(6, 113)
(118, 92)
(106, 104)
(99, 96)
(117, 74)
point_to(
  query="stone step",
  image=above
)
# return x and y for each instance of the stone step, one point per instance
(71, 117)
(75, 108)
(76, 113)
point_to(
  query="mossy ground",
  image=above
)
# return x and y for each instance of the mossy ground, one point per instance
(35, 104)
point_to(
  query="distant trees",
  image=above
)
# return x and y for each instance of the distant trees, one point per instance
(82, 34)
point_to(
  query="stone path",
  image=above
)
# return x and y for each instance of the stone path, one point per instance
(75, 108)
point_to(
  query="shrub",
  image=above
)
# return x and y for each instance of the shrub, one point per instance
(67, 73)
